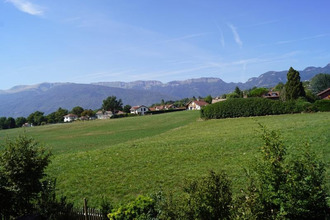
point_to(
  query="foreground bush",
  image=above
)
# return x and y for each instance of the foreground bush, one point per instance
(284, 187)
(23, 188)
(141, 208)
(208, 198)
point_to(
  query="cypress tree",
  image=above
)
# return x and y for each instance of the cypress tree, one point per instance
(293, 87)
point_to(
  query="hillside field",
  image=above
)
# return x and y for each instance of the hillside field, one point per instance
(121, 158)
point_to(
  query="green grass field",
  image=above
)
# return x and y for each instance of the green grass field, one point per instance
(122, 158)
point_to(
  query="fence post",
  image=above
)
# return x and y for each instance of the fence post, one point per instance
(85, 209)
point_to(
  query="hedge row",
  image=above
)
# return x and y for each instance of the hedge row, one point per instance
(243, 107)
(323, 105)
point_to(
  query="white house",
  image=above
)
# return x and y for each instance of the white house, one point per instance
(70, 117)
(103, 115)
(196, 105)
(139, 110)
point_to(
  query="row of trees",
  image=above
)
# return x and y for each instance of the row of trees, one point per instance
(39, 118)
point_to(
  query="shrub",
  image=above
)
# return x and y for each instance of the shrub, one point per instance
(142, 207)
(322, 105)
(22, 165)
(257, 92)
(284, 187)
(208, 198)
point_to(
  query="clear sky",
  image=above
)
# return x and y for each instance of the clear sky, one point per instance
(86, 41)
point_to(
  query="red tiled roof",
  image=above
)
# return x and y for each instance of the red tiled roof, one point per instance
(324, 91)
(201, 103)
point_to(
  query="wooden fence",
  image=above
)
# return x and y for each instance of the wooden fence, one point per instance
(87, 213)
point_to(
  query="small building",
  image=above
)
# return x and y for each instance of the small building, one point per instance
(162, 107)
(217, 99)
(70, 117)
(325, 94)
(27, 125)
(272, 95)
(196, 105)
(103, 114)
(139, 110)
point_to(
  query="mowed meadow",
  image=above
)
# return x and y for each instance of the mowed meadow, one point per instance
(120, 159)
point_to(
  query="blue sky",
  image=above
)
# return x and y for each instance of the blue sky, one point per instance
(86, 41)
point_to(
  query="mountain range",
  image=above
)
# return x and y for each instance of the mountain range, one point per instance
(48, 97)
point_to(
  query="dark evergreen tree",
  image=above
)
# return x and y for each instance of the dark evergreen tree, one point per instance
(10, 122)
(293, 87)
(3, 124)
(238, 92)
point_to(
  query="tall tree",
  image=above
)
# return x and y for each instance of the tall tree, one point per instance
(10, 122)
(112, 104)
(59, 114)
(20, 121)
(238, 92)
(77, 110)
(36, 118)
(320, 82)
(293, 87)
(3, 124)
(208, 99)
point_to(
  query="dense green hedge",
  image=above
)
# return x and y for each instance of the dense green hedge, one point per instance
(322, 105)
(243, 107)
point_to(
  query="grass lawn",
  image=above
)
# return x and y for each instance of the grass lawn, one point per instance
(122, 158)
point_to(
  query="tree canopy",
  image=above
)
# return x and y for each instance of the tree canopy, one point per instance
(111, 104)
(320, 82)
(208, 99)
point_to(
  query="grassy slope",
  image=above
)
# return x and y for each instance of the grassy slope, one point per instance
(122, 158)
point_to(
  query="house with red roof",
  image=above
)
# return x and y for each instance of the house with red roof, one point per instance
(139, 110)
(325, 94)
(196, 105)
(70, 117)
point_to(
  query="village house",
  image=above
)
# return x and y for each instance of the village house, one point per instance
(139, 110)
(70, 117)
(103, 114)
(162, 107)
(272, 95)
(325, 94)
(196, 105)
(217, 99)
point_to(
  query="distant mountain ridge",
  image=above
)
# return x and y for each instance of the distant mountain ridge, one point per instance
(48, 97)
(214, 86)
